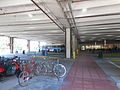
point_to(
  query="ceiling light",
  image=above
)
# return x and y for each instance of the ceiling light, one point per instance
(30, 15)
(31, 27)
(102, 28)
(84, 10)
(109, 35)
(96, 34)
(82, 40)
(117, 30)
(117, 36)
(82, 36)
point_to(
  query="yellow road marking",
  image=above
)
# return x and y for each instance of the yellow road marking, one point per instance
(115, 60)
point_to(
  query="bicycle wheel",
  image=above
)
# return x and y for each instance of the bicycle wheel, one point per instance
(59, 70)
(42, 69)
(23, 78)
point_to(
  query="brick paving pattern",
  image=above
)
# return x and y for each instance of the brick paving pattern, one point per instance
(85, 74)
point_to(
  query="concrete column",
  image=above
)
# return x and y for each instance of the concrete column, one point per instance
(77, 46)
(28, 45)
(105, 42)
(73, 43)
(11, 44)
(68, 42)
(76, 43)
(73, 46)
(95, 43)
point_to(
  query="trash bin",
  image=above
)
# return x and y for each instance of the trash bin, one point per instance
(100, 54)
(44, 53)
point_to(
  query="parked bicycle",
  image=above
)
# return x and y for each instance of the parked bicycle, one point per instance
(55, 67)
(28, 70)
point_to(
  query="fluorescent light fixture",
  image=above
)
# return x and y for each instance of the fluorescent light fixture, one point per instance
(117, 30)
(96, 34)
(82, 36)
(30, 15)
(31, 27)
(102, 28)
(109, 35)
(82, 40)
(84, 10)
(117, 36)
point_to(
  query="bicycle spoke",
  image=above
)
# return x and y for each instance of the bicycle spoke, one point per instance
(59, 70)
(23, 78)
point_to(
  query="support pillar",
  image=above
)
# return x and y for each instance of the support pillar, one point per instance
(28, 45)
(73, 46)
(68, 42)
(11, 44)
(95, 43)
(77, 46)
(105, 42)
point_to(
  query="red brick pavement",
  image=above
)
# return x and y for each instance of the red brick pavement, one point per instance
(85, 74)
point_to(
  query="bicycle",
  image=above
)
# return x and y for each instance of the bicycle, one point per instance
(56, 68)
(28, 70)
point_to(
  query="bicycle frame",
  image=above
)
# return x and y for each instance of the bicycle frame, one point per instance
(29, 68)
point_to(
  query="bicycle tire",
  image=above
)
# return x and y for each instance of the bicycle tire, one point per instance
(59, 70)
(23, 78)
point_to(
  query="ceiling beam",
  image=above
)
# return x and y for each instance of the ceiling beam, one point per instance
(18, 12)
(26, 24)
(117, 23)
(94, 4)
(74, 27)
(62, 28)
(100, 15)
(8, 3)
(63, 8)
